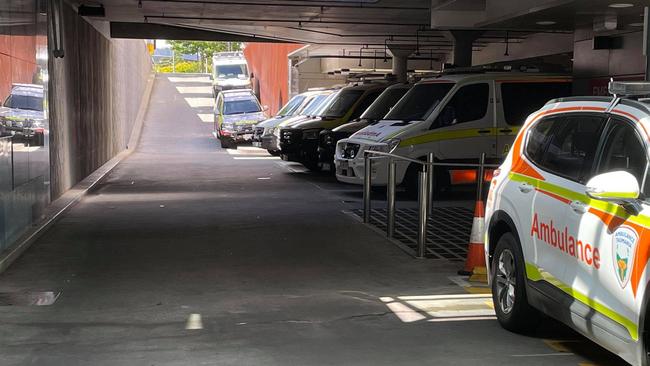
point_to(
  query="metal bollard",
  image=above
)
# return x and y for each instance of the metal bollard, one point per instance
(430, 184)
(422, 224)
(390, 199)
(367, 181)
(479, 177)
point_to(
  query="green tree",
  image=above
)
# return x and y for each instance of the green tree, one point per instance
(204, 49)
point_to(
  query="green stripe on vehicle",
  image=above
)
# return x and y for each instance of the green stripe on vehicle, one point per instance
(533, 273)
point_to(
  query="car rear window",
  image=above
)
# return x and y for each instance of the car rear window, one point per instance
(240, 106)
(27, 102)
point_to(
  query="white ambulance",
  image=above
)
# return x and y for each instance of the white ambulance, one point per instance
(455, 116)
(568, 219)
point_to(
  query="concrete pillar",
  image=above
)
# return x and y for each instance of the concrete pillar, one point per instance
(463, 41)
(401, 55)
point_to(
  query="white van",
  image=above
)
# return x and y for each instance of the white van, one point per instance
(229, 71)
(455, 116)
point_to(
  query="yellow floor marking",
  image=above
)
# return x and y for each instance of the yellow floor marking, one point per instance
(558, 346)
(478, 290)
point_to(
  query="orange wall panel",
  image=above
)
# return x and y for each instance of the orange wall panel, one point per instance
(17, 61)
(269, 63)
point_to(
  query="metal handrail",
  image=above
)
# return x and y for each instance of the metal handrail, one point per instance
(425, 189)
(399, 157)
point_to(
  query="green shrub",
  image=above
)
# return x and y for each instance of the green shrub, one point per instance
(181, 66)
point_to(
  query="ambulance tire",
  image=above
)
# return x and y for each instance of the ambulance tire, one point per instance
(312, 166)
(227, 143)
(412, 181)
(515, 315)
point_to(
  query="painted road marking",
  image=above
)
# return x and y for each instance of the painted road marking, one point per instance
(190, 79)
(194, 89)
(440, 308)
(194, 322)
(206, 117)
(23, 148)
(200, 102)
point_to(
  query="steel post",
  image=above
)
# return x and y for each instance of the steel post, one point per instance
(422, 206)
(479, 178)
(390, 199)
(430, 183)
(367, 181)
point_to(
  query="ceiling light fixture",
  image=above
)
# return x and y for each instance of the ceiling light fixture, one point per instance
(620, 5)
(546, 22)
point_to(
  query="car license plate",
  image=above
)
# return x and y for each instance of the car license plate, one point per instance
(247, 136)
(344, 165)
(257, 144)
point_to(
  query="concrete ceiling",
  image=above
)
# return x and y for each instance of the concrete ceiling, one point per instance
(350, 27)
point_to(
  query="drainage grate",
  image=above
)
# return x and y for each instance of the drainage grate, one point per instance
(448, 230)
(28, 298)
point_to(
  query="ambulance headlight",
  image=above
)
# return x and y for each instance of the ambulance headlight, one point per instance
(392, 144)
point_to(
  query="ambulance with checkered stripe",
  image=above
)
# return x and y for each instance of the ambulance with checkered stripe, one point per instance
(455, 116)
(568, 218)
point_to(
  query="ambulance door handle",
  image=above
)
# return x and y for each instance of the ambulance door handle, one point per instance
(482, 132)
(578, 207)
(525, 188)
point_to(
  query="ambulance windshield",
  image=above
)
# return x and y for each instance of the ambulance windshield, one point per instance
(419, 102)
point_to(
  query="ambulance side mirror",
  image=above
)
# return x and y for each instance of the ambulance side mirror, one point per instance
(618, 187)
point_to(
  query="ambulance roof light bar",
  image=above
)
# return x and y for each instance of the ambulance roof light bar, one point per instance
(629, 88)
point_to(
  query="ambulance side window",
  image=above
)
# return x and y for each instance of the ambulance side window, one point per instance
(569, 146)
(521, 99)
(623, 150)
(469, 103)
(364, 104)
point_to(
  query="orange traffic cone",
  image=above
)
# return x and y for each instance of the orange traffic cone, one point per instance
(475, 262)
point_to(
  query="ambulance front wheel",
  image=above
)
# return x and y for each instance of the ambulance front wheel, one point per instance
(509, 287)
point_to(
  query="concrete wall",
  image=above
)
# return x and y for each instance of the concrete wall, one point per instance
(593, 68)
(95, 92)
(535, 45)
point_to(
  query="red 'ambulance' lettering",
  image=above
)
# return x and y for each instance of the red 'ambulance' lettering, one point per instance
(565, 242)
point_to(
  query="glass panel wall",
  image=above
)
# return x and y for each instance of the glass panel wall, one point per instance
(24, 128)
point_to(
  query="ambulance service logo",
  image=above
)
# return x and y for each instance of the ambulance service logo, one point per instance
(624, 246)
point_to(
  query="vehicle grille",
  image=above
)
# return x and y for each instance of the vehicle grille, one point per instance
(244, 129)
(290, 136)
(257, 134)
(350, 150)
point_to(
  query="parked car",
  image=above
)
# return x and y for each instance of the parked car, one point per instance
(299, 141)
(567, 219)
(236, 112)
(454, 116)
(377, 110)
(299, 107)
(23, 114)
